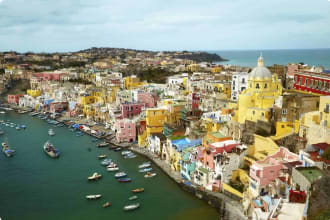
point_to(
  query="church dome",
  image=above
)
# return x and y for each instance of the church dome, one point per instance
(260, 72)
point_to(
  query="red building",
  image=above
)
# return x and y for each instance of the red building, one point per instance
(14, 99)
(129, 110)
(318, 83)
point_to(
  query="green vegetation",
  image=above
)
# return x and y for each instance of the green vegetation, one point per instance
(81, 81)
(326, 154)
(201, 57)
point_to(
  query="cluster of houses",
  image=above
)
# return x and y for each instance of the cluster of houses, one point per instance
(260, 137)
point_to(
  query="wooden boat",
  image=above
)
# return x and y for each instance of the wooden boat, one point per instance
(131, 206)
(149, 175)
(93, 196)
(138, 190)
(104, 144)
(95, 176)
(107, 204)
(124, 180)
(102, 156)
(132, 198)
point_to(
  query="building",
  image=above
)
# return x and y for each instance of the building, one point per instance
(239, 83)
(14, 99)
(264, 88)
(312, 82)
(129, 110)
(126, 131)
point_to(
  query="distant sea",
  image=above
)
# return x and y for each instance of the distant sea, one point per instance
(248, 58)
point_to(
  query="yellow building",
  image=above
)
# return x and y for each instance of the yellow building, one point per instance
(254, 103)
(216, 69)
(155, 118)
(33, 93)
(132, 82)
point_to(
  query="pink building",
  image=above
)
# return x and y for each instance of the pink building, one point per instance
(56, 107)
(126, 131)
(14, 99)
(149, 99)
(49, 76)
(292, 69)
(264, 172)
(215, 149)
(129, 110)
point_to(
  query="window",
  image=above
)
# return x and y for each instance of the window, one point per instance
(253, 112)
(311, 83)
(250, 85)
(306, 82)
(282, 126)
(324, 85)
(243, 80)
(315, 84)
(284, 111)
(257, 86)
(265, 87)
(262, 114)
(320, 84)
(295, 79)
(300, 80)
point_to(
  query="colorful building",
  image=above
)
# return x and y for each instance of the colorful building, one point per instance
(125, 131)
(311, 82)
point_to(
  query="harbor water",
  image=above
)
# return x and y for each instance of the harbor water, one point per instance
(35, 186)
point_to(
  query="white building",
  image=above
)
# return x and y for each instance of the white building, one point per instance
(239, 84)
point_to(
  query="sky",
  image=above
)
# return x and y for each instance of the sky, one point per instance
(72, 25)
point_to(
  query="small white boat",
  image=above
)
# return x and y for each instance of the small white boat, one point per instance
(112, 165)
(125, 152)
(112, 169)
(95, 176)
(51, 132)
(106, 162)
(144, 165)
(104, 144)
(51, 150)
(131, 206)
(120, 174)
(93, 196)
(6, 149)
(2, 112)
(150, 175)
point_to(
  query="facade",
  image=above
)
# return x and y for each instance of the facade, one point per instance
(311, 82)
(14, 99)
(129, 110)
(239, 83)
(126, 131)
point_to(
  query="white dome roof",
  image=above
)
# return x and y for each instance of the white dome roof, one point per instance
(260, 72)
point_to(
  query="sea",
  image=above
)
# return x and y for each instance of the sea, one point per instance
(34, 186)
(248, 58)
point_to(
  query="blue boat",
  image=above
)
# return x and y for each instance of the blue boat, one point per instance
(124, 180)
(23, 126)
(145, 170)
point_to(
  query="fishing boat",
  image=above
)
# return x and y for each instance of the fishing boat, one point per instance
(107, 204)
(112, 169)
(51, 132)
(125, 152)
(138, 190)
(149, 175)
(93, 196)
(103, 144)
(124, 180)
(145, 170)
(130, 156)
(120, 174)
(95, 176)
(6, 149)
(144, 165)
(51, 150)
(106, 162)
(132, 198)
(131, 206)
(102, 156)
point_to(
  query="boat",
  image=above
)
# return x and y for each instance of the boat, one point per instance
(103, 144)
(51, 132)
(138, 190)
(112, 165)
(78, 135)
(120, 174)
(106, 162)
(18, 127)
(6, 149)
(93, 196)
(117, 149)
(131, 206)
(144, 165)
(2, 112)
(132, 198)
(125, 152)
(112, 169)
(94, 139)
(149, 175)
(102, 156)
(145, 170)
(95, 176)
(129, 156)
(1, 131)
(23, 126)
(124, 180)
(51, 150)
(107, 204)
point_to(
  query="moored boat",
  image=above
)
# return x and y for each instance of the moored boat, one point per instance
(149, 175)
(130, 156)
(138, 190)
(51, 150)
(125, 152)
(120, 174)
(112, 165)
(132, 198)
(117, 149)
(6, 149)
(107, 204)
(51, 132)
(112, 169)
(131, 206)
(102, 156)
(94, 196)
(103, 144)
(106, 162)
(95, 176)
(145, 170)
(144, 165)
(124, 180)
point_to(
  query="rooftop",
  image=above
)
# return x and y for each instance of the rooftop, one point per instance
(311, 173)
